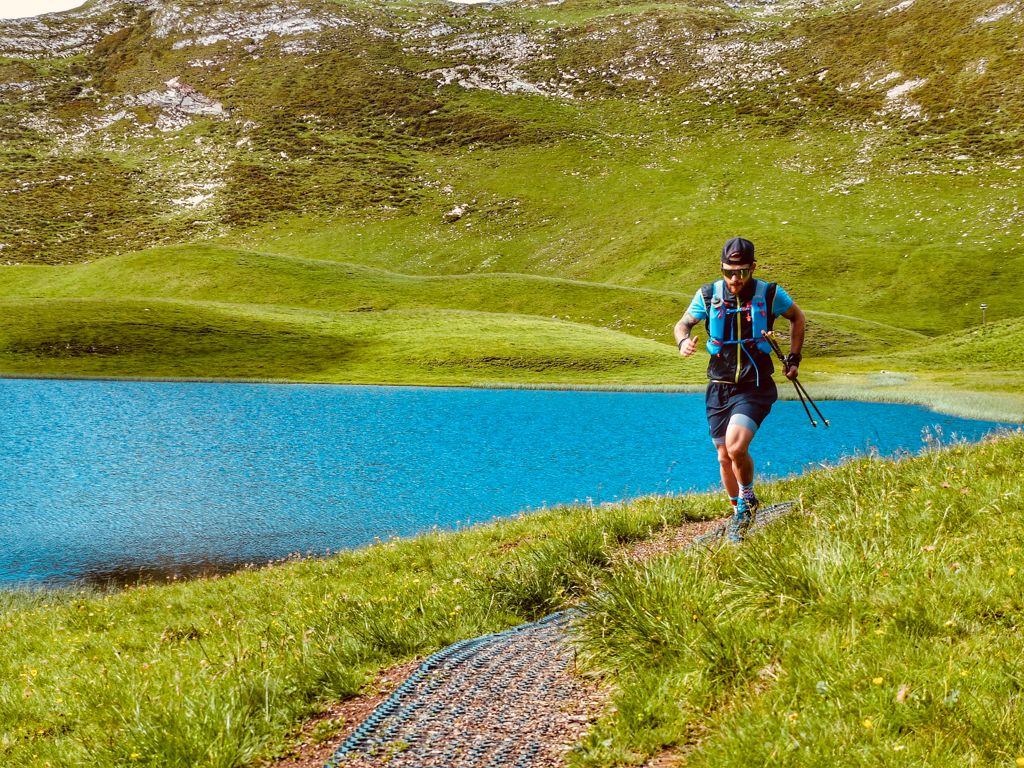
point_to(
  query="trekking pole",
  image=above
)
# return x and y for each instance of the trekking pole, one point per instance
(770, 338)
(796, 385)
(814, 405)
(800, 390)
(800, 394)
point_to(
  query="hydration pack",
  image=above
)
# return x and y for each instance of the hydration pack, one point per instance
(758, 310)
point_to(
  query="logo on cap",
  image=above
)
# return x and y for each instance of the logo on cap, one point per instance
(738, 250)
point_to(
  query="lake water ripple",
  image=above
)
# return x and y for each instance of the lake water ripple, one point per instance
(114, 481)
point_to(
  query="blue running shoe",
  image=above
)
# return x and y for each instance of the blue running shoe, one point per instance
(737, 527)
(752, 503)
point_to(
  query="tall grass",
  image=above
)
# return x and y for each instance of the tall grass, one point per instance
(215, 673)
(880, 625)
(545, 575)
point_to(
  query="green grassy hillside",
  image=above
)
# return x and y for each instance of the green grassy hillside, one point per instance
(576, 162)
(100, 337)
(976, 373)
(657, 216)
(990, 348)
(207, 273)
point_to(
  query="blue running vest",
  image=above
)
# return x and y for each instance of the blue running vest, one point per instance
(719, 315)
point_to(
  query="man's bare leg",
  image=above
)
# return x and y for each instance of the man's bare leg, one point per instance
(728, 473)
(737, 447)
(737, 469)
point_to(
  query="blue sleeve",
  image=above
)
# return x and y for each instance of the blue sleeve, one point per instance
(697, 310)
(782, 301)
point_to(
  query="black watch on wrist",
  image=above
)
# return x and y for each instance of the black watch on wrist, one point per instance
(793, 359)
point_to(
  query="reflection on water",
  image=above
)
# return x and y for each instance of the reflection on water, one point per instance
(111, 482)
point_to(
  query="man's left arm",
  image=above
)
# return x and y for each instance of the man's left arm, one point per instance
(797, 324)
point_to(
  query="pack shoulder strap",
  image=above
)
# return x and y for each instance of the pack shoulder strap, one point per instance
(769, 301)
(706, 292)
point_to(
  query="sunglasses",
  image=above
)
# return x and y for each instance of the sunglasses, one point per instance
(742, 274)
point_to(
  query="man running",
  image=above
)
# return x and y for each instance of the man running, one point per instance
(740, 394)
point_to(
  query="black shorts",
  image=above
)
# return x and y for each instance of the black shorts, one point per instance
(748, 402)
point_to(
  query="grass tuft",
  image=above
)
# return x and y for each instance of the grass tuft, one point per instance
(883, 619)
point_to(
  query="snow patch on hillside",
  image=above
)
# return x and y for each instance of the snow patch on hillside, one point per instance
(904, 88)
(896, 100)
(202, 195)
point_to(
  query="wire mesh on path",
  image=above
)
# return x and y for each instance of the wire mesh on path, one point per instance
(504, 700)
(764, 516)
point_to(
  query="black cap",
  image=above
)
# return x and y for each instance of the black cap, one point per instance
(738, 251)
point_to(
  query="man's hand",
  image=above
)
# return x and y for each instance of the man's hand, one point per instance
(791, 365)
(688, 346)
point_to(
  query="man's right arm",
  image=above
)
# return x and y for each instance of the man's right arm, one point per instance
(687, 344)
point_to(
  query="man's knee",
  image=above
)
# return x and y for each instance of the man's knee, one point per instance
(738, 454)
(737, 442)
(723, 455)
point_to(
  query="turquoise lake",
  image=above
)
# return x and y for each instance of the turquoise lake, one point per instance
(115, 481)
